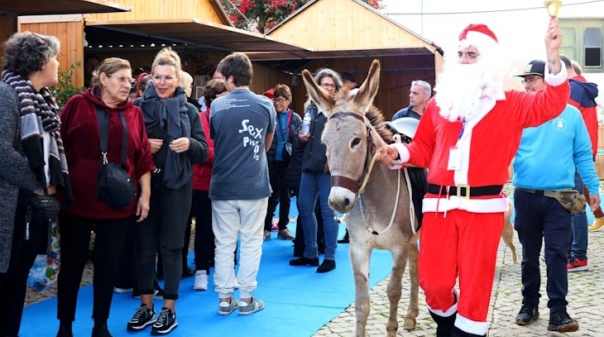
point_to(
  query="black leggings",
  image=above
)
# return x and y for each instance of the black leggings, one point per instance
(13, 282)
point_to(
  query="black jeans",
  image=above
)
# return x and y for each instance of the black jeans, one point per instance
(279, 196)
(110, 237)
(13, 282)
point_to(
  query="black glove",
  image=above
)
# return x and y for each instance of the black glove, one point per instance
(46, 207)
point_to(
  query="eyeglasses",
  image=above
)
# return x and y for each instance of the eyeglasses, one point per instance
(280, 100)
(167, 79)
(471, 55)
(531, 80)
(328, 85)
(123, 79)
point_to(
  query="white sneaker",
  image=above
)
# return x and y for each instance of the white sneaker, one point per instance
(201, 280)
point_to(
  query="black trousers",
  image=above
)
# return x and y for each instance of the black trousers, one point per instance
(110, 237)
(204, 236)
(280, 196)
(13, 282)
(163, 231)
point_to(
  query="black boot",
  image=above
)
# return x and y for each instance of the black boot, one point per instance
(457, 332)
(445, 325)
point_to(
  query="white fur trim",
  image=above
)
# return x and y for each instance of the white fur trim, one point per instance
(479, 40)
(470, 326)
(555, 80)
(465, 142)
(444, 204)
(451, 310)
(403, 152)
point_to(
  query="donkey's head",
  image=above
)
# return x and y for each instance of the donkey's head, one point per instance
(348, 135)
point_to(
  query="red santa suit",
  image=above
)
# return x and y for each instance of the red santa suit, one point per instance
(464, 207)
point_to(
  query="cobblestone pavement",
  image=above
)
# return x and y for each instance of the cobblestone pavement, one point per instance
(585, 301)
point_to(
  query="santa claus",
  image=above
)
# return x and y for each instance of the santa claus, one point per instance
(467, 137)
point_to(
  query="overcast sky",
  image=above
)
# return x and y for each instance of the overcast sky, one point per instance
(519, 24)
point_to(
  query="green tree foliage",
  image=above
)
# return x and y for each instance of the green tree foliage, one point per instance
(65, 88)
(262, 15)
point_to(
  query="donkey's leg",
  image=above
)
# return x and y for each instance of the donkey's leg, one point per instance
(413, 307)
(360, 252)
(395, 287)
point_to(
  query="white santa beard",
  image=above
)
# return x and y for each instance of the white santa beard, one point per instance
(462, 86)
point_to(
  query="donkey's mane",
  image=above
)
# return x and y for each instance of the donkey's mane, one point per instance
(375, 117)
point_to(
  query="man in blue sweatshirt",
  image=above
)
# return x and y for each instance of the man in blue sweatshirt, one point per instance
(546, 162)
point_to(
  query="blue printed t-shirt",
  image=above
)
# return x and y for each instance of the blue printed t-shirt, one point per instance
(239, 122)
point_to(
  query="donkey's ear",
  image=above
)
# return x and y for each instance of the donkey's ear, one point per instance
(322, 98)
(364, 97)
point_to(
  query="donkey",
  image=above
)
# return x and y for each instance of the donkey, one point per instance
(378, 214)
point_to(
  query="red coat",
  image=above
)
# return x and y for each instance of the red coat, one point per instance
(488, 143)
(202, 173)
(81, 137)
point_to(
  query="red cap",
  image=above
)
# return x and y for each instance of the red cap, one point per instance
(269, 93)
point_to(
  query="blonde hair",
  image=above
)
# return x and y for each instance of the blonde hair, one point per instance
(186, 81)
(167, 57)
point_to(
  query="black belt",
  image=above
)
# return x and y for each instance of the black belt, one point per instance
(462, 191)
(545, 193)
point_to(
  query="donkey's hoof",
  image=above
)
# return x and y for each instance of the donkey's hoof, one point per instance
(409, 323)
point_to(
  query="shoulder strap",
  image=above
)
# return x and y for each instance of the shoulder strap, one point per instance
(104, 134)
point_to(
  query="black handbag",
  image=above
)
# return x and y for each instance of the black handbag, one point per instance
(287, 150)
(114, 184)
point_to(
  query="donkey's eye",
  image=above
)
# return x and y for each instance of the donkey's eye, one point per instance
(355, 142)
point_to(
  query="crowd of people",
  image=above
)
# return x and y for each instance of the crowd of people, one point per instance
(226, 167)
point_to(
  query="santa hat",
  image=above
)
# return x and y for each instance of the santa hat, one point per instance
(479, 36)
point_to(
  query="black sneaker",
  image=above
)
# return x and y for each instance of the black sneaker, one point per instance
(143, 317)
(304, 261)
(165, 323)
(561, 322)
(527, 315)
(327, 265)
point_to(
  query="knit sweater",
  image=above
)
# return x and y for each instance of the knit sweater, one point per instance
(15, 171)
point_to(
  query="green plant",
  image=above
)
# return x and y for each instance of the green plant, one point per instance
(65, 88)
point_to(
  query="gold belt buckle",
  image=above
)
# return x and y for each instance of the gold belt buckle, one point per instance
(467, 189)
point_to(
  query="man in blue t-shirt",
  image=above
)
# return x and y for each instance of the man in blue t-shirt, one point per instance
(242, 125)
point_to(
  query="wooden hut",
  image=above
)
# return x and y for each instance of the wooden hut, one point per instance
(199, 30)
(346, 35)
(10, 10)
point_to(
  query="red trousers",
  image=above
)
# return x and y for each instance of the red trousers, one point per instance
(461, 244)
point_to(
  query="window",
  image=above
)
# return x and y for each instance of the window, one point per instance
(568, 48)
(593, 47)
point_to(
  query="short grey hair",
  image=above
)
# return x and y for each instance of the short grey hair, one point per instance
(326, 72)
(425, 85)
(27, 52)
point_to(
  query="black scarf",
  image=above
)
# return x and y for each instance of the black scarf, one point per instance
(39, 112)
(168, 119)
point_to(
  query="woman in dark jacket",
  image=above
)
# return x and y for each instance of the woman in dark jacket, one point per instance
(33, 163)
(109, 96)
(177, 141)
(287, 124)
(315, 183)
